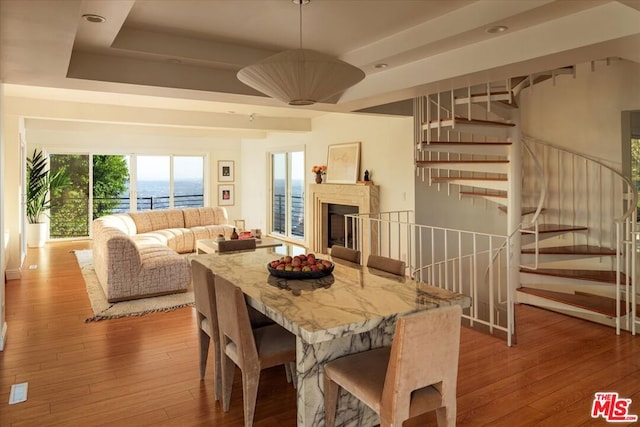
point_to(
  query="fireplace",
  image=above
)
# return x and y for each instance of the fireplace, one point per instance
(360, 198)
(335, 227)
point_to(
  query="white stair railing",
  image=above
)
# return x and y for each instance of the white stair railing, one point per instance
(467, 262)
(585, 191)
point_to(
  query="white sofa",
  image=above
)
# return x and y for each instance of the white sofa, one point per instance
(136, 254)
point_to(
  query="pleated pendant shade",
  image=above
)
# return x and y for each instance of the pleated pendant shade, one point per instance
(300, 76)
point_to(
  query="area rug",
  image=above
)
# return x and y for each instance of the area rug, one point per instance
(103, 309)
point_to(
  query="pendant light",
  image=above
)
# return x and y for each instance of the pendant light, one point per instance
(301, 76)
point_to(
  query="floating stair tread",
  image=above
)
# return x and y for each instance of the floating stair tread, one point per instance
(426, 162)
(473, 193)
(465, 143)
(498, 92)
(465, 178)
(481, 98)
(476, 122)
(595, 303)
(557, 228)
(602, 276)
(573, 250)
(525, 210)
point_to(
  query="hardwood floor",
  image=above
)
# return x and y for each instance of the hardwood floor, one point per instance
(144, 370)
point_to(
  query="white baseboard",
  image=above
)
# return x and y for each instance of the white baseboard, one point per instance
(13, 274)
(3, 336)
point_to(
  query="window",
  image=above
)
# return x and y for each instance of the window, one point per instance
(69, 213)
(287, 189)
(121, 183)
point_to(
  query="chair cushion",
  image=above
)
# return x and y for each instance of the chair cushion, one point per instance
(372, 368)
(275, 345)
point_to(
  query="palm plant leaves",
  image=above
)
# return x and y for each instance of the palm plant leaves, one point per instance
(40, 183)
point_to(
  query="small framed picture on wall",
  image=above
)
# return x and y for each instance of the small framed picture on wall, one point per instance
(226, 171)
(226, 195)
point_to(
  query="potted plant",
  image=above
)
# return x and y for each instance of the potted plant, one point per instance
(40, 184)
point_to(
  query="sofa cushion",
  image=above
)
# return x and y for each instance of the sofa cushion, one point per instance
(157, 220)
(194, 217)
(181, 240)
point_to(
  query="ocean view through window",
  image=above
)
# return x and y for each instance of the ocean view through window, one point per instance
(122, 183)
(287, 188)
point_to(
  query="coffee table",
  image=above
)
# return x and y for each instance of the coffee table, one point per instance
(210, 246)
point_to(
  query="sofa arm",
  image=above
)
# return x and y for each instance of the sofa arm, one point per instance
(117, 264)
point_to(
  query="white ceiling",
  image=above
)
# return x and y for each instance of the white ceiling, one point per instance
(191, 49)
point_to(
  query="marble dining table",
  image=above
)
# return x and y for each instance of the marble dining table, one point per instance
(353, 309)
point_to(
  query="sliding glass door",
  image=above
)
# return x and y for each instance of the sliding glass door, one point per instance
(287, 189)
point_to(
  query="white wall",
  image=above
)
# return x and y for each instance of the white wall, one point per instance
(584, 114)
(386, 151)
(3, 326)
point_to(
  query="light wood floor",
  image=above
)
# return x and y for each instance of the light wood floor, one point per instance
(144, 370)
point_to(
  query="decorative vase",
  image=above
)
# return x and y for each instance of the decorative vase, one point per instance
(318, 178)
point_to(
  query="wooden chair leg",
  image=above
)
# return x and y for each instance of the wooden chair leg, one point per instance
(204, 340)
(250, 381)
(228, 369)
(217, 374)
(331, 390)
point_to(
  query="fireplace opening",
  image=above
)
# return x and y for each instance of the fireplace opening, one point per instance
(335, 225)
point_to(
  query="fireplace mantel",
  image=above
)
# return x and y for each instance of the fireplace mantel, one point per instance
(365, 197)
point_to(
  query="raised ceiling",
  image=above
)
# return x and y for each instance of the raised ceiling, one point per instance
(192, 49)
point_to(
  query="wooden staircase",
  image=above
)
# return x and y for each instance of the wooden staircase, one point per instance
(474, 152)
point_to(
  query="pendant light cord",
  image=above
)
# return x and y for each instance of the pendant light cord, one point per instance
(301, 23)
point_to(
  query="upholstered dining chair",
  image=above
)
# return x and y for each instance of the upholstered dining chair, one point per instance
(207, 321)
(252, 350)
(386, 264)
(418, 374)
(346, 254)
(236, 245)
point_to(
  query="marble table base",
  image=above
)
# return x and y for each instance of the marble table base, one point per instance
(310, 360)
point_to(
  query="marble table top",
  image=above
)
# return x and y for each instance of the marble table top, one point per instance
(353, 299)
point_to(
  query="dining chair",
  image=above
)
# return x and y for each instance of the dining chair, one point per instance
(386, 264)
(252, 350)
(417, 374)
(236, 245)
(207, 321)
(346, 254)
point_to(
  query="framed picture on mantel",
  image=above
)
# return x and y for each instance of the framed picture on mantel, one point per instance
(343, 163)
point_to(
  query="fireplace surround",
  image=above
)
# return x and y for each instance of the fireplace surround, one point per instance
(363, 197)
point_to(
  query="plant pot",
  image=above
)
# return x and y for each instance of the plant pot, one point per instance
(36, 234)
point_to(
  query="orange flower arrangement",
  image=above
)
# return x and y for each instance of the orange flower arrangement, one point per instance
(319, 170)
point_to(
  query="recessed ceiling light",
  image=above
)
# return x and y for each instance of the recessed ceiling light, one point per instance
(497, 29)
(95, 19)
(382, 65)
